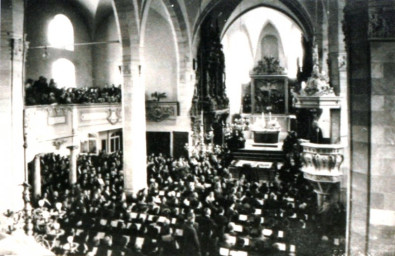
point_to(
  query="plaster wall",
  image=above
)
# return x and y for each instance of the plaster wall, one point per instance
(38, 15)
(159, 67)
(107, 58)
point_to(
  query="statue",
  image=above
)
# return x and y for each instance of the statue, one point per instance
(318, 83)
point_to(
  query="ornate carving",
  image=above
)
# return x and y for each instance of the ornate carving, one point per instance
(322, 161)
(381, 22)
(342, 62)
(126, 69)
(114, 115)
(318, 83)
(54, 111)
(159, 111)
(210, 102)
(27, 209)
(17, 48)
(316, 92)
(314, 102)
(268, 66)
(319, 178)
(57, 114)
(58, 142)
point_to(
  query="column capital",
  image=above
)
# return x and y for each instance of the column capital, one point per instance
(72, 147)
(19, 46)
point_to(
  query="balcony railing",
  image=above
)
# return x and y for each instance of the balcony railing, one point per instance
(50, 122)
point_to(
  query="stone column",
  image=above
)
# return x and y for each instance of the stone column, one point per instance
(133, 101)
(37, 176)
(334, 45)
(381, 37)
(73, 164)
(11, 104)
(355, 29)
(370, 41)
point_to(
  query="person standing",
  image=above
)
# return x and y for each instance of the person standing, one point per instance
(190, 241)
(315, 135)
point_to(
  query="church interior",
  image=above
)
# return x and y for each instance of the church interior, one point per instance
(197, 127)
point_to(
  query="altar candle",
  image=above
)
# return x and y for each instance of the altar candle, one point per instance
(270, 116)
(263, 120)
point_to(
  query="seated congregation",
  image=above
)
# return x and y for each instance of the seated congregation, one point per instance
(41, 92)
(191, 207)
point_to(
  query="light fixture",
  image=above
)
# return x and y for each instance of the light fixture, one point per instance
(45, 53)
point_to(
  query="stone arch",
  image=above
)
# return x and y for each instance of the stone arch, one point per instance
(128, 29)
(149, 39)
(292, 8)
(177, 19)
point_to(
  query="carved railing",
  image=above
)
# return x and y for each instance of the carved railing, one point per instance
(312, 102)
(161, 110)
(321, 162)
(55, 121)
(54, 127)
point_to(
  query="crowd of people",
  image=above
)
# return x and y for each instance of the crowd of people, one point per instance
(191, 207)
(40, 92)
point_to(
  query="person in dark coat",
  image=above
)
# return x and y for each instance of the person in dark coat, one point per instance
(315, 135)
(207, 228)
(190, 242)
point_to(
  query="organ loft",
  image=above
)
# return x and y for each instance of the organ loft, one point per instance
(190, 127)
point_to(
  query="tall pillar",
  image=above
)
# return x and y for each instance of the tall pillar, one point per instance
(370, 37)
(11, 103)
(381, 36)
(338, 77)
(335, 45)
(73, 164)
(37, 176)
(356, 20)
(133, 99)
(134, 135)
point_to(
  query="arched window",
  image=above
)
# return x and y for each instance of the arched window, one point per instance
(61, 33)
(63, 72)
(269, 46)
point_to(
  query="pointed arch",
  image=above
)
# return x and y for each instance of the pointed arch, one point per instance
(268, 37)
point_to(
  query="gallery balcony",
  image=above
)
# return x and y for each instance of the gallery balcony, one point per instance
(54, 127)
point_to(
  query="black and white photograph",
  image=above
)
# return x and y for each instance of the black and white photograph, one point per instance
(197, 127)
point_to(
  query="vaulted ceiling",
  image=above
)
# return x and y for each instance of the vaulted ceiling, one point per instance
(94, 10)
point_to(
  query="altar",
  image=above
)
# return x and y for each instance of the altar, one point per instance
(266, 105)
(268, 130)
(266, 136)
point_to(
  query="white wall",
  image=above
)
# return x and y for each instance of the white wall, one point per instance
(107, 57)
(160, 60)
(241, 46)
(38, 15)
